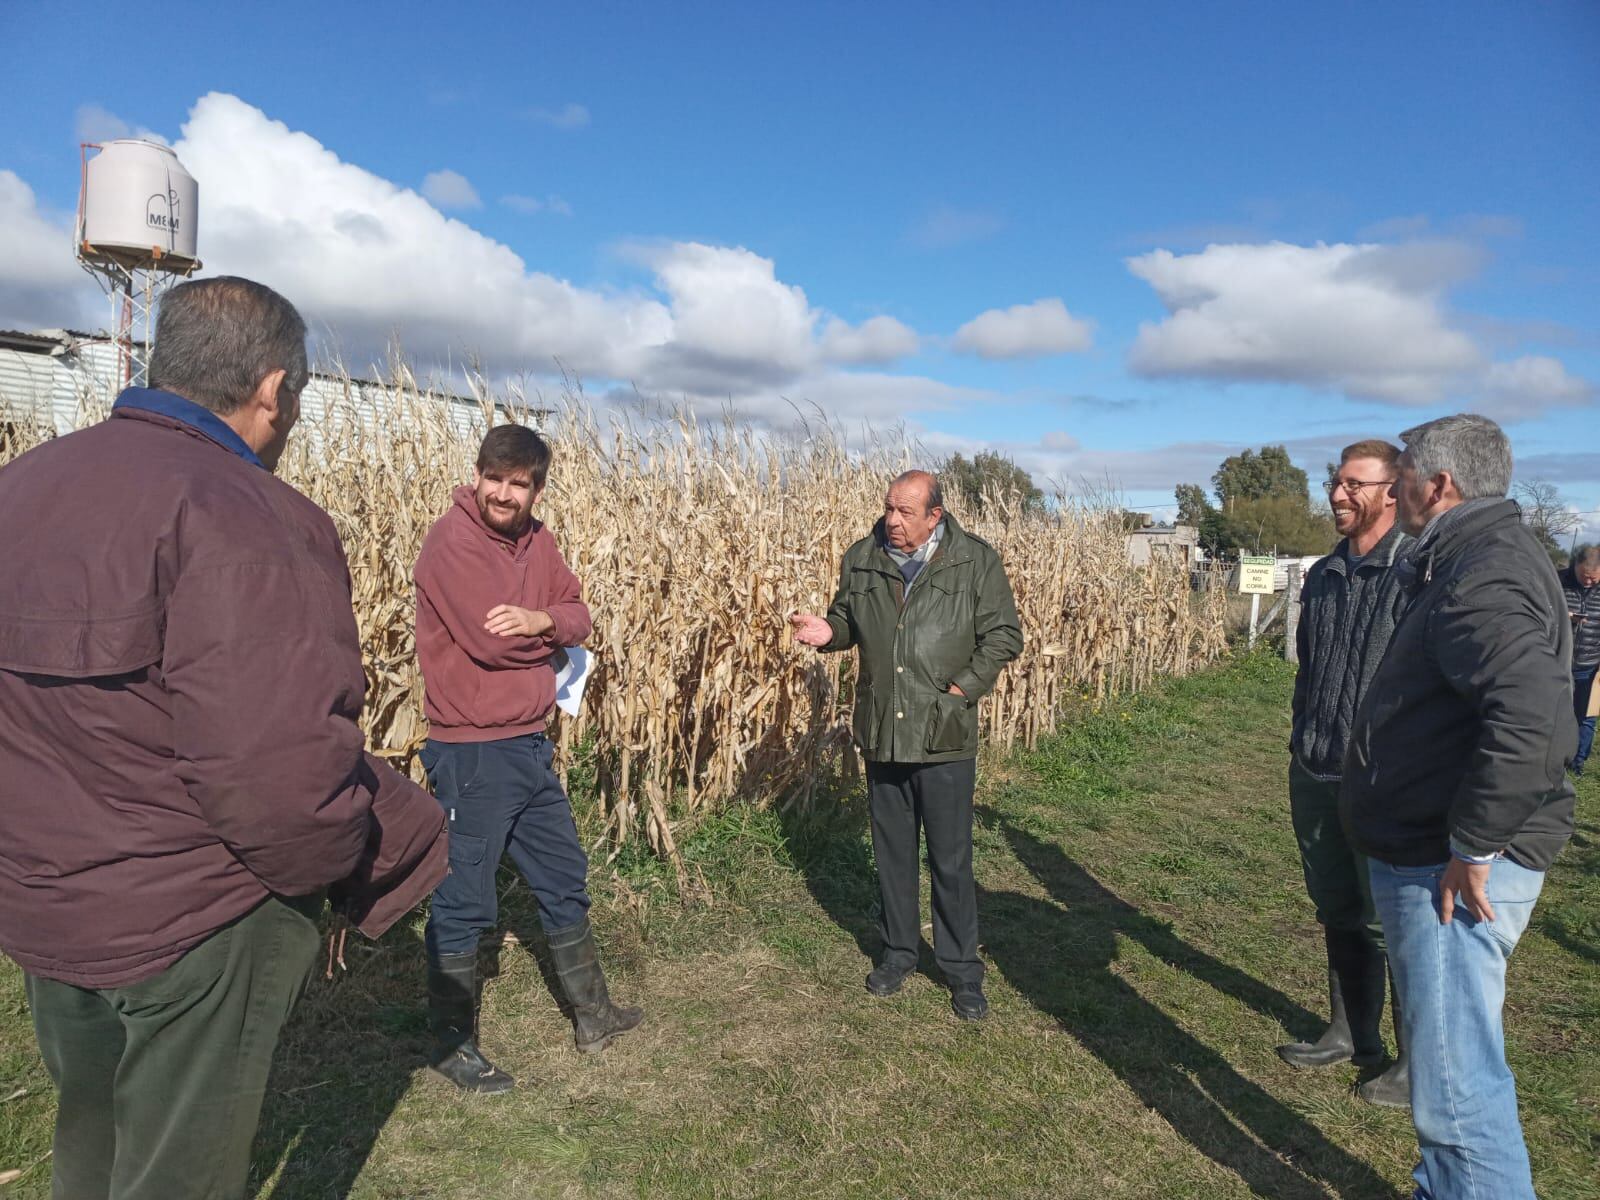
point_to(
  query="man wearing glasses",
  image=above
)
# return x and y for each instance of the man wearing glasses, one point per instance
(1349, 608)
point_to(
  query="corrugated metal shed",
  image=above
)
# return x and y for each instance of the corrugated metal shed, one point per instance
(64, 379)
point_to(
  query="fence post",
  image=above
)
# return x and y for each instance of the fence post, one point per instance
(1291, 616)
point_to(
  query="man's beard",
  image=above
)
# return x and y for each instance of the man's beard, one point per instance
(496, 520)
(1365, 519)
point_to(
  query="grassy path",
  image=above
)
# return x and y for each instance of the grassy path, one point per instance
(1149, 943)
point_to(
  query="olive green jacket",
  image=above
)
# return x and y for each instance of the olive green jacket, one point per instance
(960, 626)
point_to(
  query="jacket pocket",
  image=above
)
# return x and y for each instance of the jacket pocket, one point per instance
(952, 725)
(863, 724)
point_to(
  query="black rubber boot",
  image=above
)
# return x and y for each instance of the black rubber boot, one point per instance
(1364, 974)
(1334, 1046)
(453, 1015)
(1392, 1089)
(595, 1020)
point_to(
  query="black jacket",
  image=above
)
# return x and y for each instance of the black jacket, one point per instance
(1467, 728)
(1583, 603)
(1346, 620)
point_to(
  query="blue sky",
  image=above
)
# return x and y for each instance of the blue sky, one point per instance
(1114, 241)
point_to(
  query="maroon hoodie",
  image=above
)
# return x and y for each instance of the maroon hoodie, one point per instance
(180, 683)
(481, 687)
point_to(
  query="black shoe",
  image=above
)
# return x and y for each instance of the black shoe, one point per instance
(967, 1002)
(886, 979)
(453, 1015)
(596, 1022)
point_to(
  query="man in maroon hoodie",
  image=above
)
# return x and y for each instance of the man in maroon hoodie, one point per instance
(181, 771)
(495, 605)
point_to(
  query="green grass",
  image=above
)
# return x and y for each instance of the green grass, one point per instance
(1149, 943)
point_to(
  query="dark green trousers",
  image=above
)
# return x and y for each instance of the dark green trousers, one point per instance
(1336, 874)
(160, 1083)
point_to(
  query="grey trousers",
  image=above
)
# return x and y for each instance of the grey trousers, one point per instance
(937, 798)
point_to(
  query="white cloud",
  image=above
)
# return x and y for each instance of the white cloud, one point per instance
(568, 116)
(1532, 383)
(1025, 331)
(450, 189)
(1365, 319)
(369, 261)
(532, 205)
(945, 227)
(41, 285)
(877, 340)
(96, 123)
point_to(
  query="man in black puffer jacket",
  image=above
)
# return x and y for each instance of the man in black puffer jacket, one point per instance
(1349, 606)
(1455, 786)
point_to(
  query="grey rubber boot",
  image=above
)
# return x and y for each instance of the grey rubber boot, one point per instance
(453, 1016)
(596, 1021)
(1392, 1089)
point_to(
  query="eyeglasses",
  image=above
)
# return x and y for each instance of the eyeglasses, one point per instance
(1352, 487)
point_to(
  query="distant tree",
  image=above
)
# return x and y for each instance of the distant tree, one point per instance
(988, 476)
(1547, 515)
(1281, 524)
(1249, 475)
(1192, 503)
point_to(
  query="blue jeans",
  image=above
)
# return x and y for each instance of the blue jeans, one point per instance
(499, 798)
(1451, 980)
(1582, 681)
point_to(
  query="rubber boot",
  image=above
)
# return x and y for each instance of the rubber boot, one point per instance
(595, 1020)
(1363, 974)
(453, 1015)
(1392, 1089)
(1334, 1046)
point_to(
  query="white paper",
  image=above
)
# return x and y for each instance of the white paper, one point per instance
(572, 673)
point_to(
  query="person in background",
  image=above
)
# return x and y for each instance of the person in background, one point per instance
(180, 685)
(1349, 606)
(1455, 786)
(495, 605)
(930, 609)
(1581, 583)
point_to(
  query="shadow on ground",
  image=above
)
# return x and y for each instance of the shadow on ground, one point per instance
(347, 1057)
(1192, 1087)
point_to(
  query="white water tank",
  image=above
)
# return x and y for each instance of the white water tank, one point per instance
(139, 204)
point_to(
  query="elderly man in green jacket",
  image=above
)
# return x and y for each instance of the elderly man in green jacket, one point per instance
(930, 608)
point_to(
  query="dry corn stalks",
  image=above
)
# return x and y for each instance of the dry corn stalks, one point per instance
(694, 543)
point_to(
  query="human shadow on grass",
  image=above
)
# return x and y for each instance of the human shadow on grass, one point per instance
(1061, 954)
(832, 849)
(347, 1057)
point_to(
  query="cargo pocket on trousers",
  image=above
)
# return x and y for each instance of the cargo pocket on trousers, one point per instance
(466, 854)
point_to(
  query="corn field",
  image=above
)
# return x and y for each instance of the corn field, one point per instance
(694, 543)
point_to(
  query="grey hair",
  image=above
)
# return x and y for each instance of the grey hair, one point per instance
(216, 339)
(1473, 449)
(1589, 556)
(926, 478)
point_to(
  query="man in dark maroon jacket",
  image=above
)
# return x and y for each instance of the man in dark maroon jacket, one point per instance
(181, 772)
(495, 606)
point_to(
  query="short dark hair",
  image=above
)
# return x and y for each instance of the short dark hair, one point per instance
(515, 448)
(1375, 448)
(1589, 556)
(929, 480)
(216, 339)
